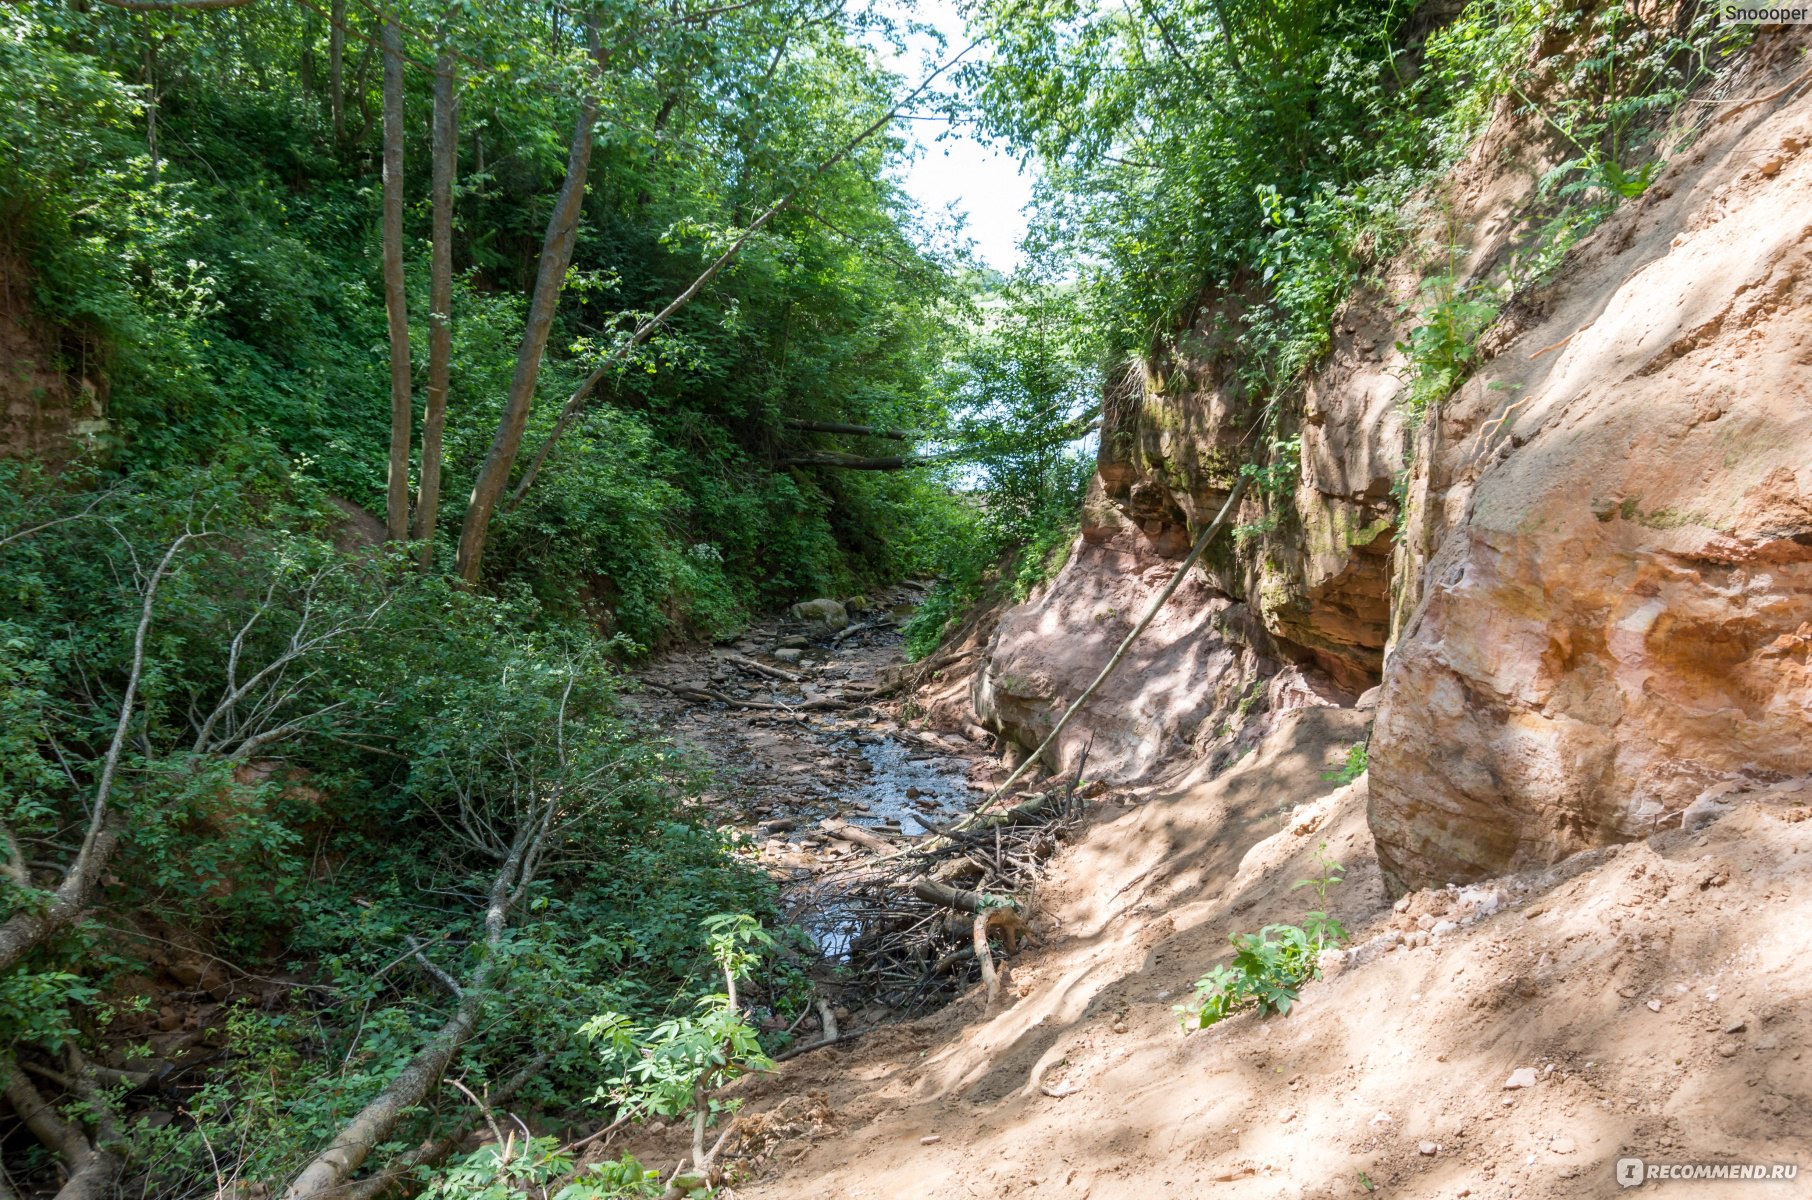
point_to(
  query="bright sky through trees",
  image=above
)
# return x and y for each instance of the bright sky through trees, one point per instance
(953, 167)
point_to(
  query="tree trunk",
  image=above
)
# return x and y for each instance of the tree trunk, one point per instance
(91, 1170)
(151, 105)
(556, 252)
(575, 403)
(440, 300)
(353, 1143)
(396, 303)
(336, 70)
(898, 435)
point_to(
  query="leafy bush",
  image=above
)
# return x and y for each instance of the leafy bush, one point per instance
(1269, 967)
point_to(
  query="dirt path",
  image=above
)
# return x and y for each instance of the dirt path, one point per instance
(1515, 1039)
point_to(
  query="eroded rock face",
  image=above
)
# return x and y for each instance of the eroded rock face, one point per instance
(1314, 563)
(1615, 611)
(1191, 666)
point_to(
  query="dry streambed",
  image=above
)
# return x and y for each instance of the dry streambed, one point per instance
(818, 755)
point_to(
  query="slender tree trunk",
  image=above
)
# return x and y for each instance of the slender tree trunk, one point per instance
(396, 514)
(336, 69)
(440, 300)
(151, 104)
(556, 252)
(307, 68)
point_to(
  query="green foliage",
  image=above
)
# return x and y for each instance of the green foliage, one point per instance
(222, 283)
(671, 1069)
(1355, 763)
(1269, 967)
(532, 1166)
(1024, 392)
(1220, 174)
(428, 714)
(1444, 346)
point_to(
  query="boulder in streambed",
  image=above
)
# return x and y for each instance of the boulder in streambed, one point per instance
(826, 615)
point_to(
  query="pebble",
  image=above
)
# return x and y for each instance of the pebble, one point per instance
(788, 655)
(930, 1139)
(1654, 1006)
(1443, 928)
(1522, 1077)
(1736, 1026)
(1428, 1149)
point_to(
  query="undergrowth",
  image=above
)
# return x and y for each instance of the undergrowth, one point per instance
(1269, 967)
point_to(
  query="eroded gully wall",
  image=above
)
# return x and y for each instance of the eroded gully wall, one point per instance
(1597, 598)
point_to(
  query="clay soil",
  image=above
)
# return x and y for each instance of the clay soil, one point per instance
(1653, 994)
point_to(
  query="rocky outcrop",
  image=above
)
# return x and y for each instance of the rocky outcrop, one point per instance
(1192, 667)
(1590, 567)
(47, 412)
(1611, 539)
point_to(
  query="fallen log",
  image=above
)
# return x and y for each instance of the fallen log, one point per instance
(898, 435)
(845, 1036)
(761, 668)
(961, 899)
(707, 696)
(847, 832)
(1201, 544)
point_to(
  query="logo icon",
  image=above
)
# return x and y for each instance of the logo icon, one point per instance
(1629, 1172)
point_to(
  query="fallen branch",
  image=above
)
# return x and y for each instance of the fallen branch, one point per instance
(761, 668)
(960, 899)
(852, 462)
(36, 923)
(820, 1044)
(1738, 106)
(1158, 601)
(898, 435)
(330, 1169)
(978, 930)
(576, 403)
(91, 1167)
(845, 831)
(432, 1154)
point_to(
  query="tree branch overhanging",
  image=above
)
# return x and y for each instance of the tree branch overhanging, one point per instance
(577, 402)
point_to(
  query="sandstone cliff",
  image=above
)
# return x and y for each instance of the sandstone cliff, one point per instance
(1584, 581)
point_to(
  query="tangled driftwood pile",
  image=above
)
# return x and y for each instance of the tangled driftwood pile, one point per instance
(921, 921)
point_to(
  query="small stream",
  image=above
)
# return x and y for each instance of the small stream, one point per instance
(909, 791)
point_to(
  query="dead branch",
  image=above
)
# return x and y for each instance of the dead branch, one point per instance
(761, 668)
(898, 435)
(576, 403)
(175, 5)
(855, 834)
(960, 899)
(984, 956)
(372, 1125)
(91, 1167)
(32, 925)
